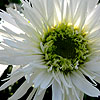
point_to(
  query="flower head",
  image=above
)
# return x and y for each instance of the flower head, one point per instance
(57, 45)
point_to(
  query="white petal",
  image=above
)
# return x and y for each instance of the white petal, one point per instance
(20, 91)
(39, 97)
(22, 46)
(66, 85)
(91, 5)
(7, 33)
(12, 80)
(15, 68)
(74, 91)
(2, 69)
(7, 17)
(62, 78)
(92, 19)
(56, 77)
(29, 31)
(16, 15)
(71, 95)
(70, 10)
(85, 86)
(39, 6)
(97, 26)
(18, 60)
(81, 13)
(36, 21)
(56, 91)
(50, 11)
(32, 67)
(47, 81)
(23, 88)
(97, 79)
(31, 94)
(57, 11)
(85, 72)
(39, 79)
(94, 34)
(93, 66)
(81, 95)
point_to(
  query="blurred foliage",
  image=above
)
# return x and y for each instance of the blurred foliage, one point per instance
(11, 89)
(3, 3)
(15, 1)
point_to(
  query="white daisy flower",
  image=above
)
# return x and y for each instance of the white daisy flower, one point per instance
(57, 45)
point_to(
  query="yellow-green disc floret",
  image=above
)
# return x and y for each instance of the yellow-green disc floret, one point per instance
(65, 48)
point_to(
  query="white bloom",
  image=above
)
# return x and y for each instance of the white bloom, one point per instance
(56, 45)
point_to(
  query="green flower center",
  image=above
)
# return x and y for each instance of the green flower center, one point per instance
(65, 48)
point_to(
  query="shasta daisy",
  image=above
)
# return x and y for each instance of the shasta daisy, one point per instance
(57, 45)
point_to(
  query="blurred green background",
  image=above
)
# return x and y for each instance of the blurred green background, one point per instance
(11, 89)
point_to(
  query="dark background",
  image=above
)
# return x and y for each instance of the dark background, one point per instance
(11, 89)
